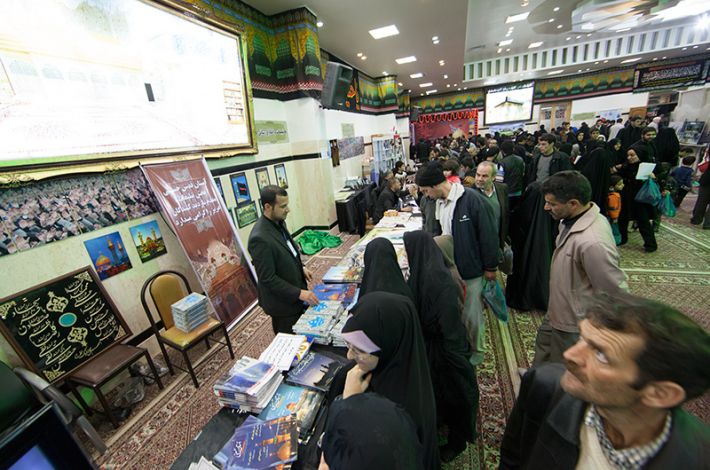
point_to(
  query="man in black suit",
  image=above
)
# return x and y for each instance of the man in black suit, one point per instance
(282, 278)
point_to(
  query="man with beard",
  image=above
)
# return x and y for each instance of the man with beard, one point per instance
(630, 134)
(615, 404)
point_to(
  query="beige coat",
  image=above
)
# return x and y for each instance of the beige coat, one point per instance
(585, 261)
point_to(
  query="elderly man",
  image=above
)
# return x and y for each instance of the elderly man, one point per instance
(496, 194)
(615, 404)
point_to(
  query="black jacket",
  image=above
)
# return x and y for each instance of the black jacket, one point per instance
(475, 241)
(280, 274)
(542, 431)
(560, 162)
(628, 136)
(514, 172)
(386, 200)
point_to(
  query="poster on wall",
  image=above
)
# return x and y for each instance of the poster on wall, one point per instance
(509, 103)
(201, 222)
(158, 80)
(350, 147)
(246, 215)
(148, 240)
(58, 325)
(691, 132)
(240, 186)
(262, 178)
(281, 178)
(660, 75)
(108, 254)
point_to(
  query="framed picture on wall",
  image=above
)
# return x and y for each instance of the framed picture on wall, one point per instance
(218, 183)
(246, 214)
(281, 178)
(108, 254)
(262, 177)
(148, 240)
(240, 188)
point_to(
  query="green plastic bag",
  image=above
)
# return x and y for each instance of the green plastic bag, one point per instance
(649, 193)
(666, 206)
(312, 241)
(494, 297)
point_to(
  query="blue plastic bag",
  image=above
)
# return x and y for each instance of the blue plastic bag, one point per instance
(649, 193)
(666, 206)
(493, 296)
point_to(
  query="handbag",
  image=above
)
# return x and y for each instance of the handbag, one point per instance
(649, 193)
(494, 297)
(506, 260)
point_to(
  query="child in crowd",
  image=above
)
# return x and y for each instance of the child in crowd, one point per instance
(683, 177)
(613, 204)
(451, 171)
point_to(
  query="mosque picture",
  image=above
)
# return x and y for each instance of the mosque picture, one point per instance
(108, 254)
(148, 241)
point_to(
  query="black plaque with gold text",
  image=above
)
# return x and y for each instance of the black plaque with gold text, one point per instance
(59, 325)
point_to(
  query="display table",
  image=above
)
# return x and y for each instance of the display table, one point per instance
(350, 208)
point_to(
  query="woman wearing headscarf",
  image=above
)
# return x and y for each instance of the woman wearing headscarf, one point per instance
(642, 213)
(448, 351)
(579, 146)
(595, 166)
(532, 233)
(385, 340)
(382, 272)
(446, 245)
(368, 431)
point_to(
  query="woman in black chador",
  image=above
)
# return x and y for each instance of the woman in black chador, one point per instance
(382, 272)
(448, 352)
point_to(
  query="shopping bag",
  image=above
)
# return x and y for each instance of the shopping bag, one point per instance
(494, 297)
(649, 193)
(666, 206)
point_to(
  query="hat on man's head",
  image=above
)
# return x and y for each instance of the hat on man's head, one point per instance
(430, 175)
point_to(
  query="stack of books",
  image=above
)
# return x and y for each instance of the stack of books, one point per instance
(336, 333)
(190, 312)
(248, 386)
(260, 444)
(315, 326)
(299, 401)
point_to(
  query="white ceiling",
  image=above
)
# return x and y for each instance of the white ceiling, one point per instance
(470, 30)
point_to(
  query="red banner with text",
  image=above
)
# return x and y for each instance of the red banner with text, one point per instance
(197, 214)
(433, 126)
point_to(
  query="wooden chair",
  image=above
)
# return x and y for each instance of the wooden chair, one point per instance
(99, 370)
(165, 288)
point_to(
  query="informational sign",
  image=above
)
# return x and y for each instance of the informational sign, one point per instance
(59, 325)
(199, 217)
(509, 103)
(662, 75)
(351, 147)
(271, 132)
(348, 129)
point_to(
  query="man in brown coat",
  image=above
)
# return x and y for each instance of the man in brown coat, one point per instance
(585, 262)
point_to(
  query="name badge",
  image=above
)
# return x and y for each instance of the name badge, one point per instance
(290, 247)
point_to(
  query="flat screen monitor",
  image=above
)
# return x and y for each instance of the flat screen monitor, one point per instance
(42, 442)
(509, 103)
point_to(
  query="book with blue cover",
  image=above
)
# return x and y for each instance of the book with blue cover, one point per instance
(316, 371)
(290, 399)
(338, 292)
(259, 445)
(248, 377)
(192, 301)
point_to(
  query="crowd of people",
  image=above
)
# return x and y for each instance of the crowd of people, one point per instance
(611, 369)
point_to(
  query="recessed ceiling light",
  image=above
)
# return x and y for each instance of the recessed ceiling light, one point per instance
(555, 72)
(435, 42)
(363, 57)
(505, 43)
(577, 37)
(559, 26)
(384, 32)
(655, 58)
(385, 73)
(359, 54)
(319, 24)
(448, 85)
(622, 30)
(606, 61)
(664, 57)
(399, 83)
(459, 89)
(684, 49)
(507, 50)
(465, 88)
(589, 34)
(424, 85)
(596, 63)
(588, 69)
(442, 63)
(556, 9)
(695, 47)
(431, 91)
(551, 20)
(533, 45)
(421, 94)
(568, 38)
(518, 17)
(406, 60)
(455, 84)
(500, 49)
(578, 71)
(416, 75)
(628, 61)
(435, 38)
(445, 76)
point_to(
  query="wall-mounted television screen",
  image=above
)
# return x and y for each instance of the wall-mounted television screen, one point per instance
(107, 79)
(509, 103)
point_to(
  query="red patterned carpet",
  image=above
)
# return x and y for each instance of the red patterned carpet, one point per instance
(164, 424)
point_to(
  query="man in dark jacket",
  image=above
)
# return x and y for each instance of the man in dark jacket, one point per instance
(630, 134)
(282, 279)
(513, 171)
(617, 404)
(549, 161)
(495, 194)
(388, 199)
(465, 215)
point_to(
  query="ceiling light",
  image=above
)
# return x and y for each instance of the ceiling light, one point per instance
(416, 75)
(508, 34)
(319, 24)
(399, 83)
(359, 54)
(559, 26)
(628, 61)
(507, 50)
(577, 37)
(431, 91)
(606, 61)
(421, 94)
(695, 47)
(385, 73)
(435, 42)
(435, 38)
(406, 60)
(384, 32)
(505, 43)
(684, 49)
(533, 45)
(448, 86)
(588, 69)
(500, 49)
(465, 88)
(518, 17)
(446, 76)
(655, 58)
(556, 9)
(459, 89)
(663, 58)
(424, 85)
(578, 71)
(555, 72)
(363, 57)
(568, 38)
(622, 30)
(551, 20)
(442, 63)
(455, 84)
(596, 63)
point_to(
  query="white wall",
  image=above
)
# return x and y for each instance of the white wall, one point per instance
(693, 104)
(622, 101)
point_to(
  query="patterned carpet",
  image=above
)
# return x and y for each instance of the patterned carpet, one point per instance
(677, 274)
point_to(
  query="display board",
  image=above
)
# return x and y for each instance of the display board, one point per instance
(59, 325)
(509, 103)
(112, 79)
(669, 74)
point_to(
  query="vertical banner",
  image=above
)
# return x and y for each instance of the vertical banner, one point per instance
(197, 213)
